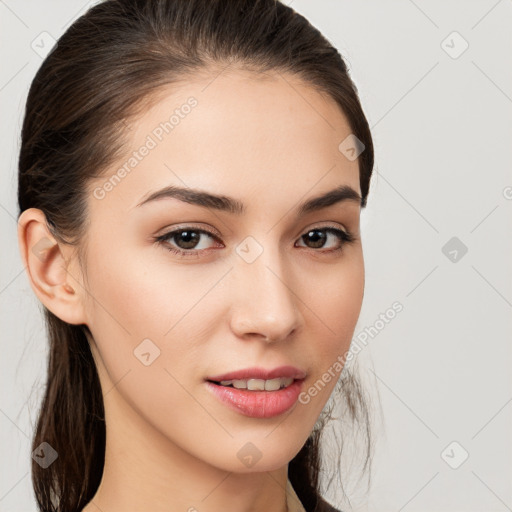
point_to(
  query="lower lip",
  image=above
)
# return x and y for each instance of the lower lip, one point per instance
(258, 404)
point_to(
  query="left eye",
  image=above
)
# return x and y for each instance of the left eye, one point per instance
(187, 239)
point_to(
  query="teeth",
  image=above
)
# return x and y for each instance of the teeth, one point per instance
(258, 384)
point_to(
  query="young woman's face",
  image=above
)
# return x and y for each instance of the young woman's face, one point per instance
(265, 287)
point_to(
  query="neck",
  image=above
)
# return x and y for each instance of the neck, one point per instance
(144, 470)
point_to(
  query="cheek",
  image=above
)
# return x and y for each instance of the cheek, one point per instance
(336, 303)
(147, 320)
(336, 300)
(148, 305)
(142, 296)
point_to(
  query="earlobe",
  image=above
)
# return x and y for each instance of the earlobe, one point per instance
(49, 265)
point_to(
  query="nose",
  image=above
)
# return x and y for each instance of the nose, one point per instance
(264, 301)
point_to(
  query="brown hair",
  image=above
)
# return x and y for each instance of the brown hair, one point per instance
(111, 59)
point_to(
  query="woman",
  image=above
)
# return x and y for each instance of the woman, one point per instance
(191, 178)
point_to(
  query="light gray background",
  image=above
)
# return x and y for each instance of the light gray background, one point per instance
(442, 131)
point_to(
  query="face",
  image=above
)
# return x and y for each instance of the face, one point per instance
(180, 292)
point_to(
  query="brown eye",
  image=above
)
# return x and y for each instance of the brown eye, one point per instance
(184, 241)
(316, 238)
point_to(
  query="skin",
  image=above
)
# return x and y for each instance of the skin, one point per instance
(271, 143)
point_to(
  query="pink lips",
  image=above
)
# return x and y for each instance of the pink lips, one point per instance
(258, 404)
(261, 373)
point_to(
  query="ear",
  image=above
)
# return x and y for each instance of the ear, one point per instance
(52, 268)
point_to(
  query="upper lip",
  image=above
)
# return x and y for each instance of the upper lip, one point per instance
(261, 373)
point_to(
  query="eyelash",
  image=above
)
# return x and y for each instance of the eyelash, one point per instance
(344, 236)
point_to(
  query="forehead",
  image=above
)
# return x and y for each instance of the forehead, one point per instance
(238, 130)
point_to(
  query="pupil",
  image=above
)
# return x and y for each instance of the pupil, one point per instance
(318, 239)
(189, 238)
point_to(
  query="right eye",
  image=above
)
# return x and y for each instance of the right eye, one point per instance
(187, 236)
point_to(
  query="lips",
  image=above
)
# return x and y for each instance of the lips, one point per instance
(257, 404)
(260, 373)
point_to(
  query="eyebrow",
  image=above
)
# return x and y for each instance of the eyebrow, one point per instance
(236, 207)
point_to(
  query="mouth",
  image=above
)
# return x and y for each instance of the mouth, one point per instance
(257, 374)
(257, 398)
(256, 384)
